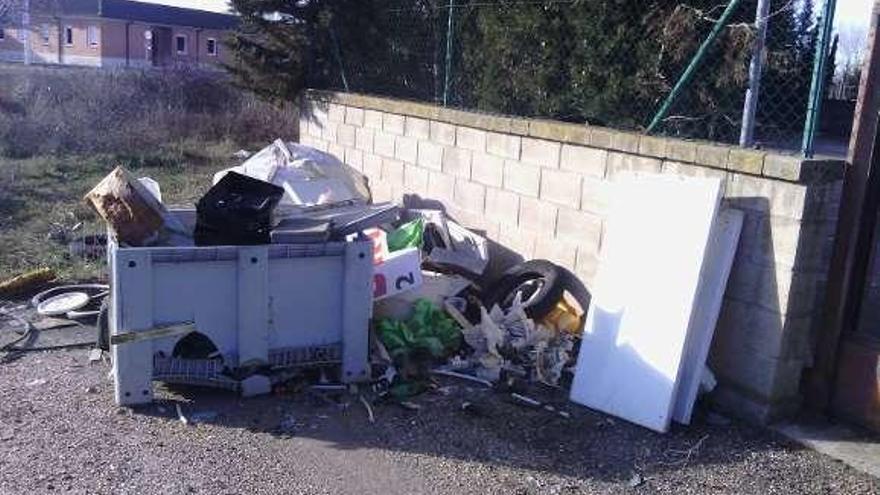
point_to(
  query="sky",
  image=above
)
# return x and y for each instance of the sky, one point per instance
(853, 12)
(212, 5)
(851, 23)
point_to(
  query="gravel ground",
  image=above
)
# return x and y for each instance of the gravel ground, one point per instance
(61, 432)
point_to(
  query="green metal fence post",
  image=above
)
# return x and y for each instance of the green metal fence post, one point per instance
(448, 54)
(814, 106)
(691, 69)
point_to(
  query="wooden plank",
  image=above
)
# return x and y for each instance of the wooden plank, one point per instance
(857, 384)
(710, 295)
(176, 330)
(841, 306)
(631, 354)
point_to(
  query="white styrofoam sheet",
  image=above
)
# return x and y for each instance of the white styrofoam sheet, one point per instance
(710, 295)
(652, 255)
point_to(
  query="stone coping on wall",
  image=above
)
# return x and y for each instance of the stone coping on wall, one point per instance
(773, 165)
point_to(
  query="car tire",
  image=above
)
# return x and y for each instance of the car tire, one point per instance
(540, 282)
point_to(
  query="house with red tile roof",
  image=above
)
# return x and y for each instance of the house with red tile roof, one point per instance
(112, 33)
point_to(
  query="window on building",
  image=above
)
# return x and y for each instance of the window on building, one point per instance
(44, 33)
(92, 35)
(2, 34)
(68, 35)
(180, 42)
(212, 47)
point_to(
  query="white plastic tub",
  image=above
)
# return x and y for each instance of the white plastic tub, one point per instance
(273, 306)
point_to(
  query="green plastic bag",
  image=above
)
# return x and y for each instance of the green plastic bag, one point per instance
(428, 329)
(427, 336)
(408, 235)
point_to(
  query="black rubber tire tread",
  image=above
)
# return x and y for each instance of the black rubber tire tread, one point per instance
(544, 302)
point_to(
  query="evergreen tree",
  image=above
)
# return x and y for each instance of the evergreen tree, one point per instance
(282, 46)
(514, 57)
(785, 85)
(375, 46)
(807, 34)
(831, 65)
(271, 45)
(606, 62)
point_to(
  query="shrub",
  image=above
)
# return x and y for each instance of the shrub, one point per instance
(72, 110)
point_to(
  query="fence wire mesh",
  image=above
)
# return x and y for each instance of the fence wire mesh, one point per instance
(602, 62)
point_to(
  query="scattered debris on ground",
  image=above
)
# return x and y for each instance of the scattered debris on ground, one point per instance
(286, 278)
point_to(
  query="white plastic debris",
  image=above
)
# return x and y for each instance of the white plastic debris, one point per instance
(309, 176)
(435, 287)
(707, 381)
(450, 244)
(400, 272)
(263, 164)
(62, 303)
(182, 417)
(95, 355)
(152, 186)
(506, 337)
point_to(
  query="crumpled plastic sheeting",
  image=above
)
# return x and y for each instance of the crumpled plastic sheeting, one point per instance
(309, 176)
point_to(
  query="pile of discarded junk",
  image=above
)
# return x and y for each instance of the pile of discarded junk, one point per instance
(286, 269)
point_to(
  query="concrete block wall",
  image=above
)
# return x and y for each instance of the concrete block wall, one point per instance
(540, 189)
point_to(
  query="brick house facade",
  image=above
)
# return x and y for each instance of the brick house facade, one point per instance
(115, 33)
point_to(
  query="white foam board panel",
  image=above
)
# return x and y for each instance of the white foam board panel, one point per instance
(710, 295)
(652, 256)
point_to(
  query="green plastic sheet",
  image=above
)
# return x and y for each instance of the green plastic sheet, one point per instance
(428, 329)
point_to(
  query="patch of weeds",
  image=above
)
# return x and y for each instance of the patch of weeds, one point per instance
(41, 194)
(162, 158)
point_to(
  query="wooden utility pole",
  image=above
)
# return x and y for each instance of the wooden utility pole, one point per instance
(841, 303)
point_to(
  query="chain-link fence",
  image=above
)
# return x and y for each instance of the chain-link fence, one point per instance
(603, 62)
